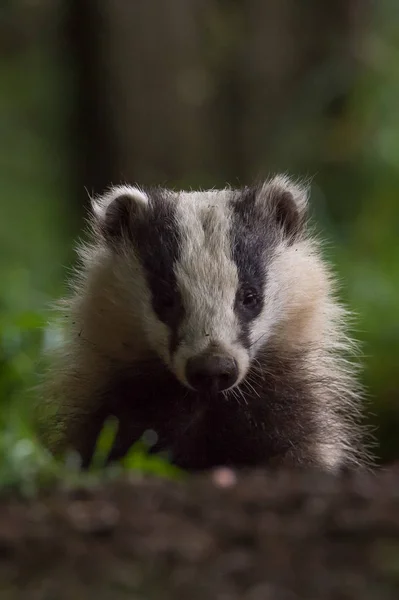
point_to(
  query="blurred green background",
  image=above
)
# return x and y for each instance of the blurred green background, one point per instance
(198, 93)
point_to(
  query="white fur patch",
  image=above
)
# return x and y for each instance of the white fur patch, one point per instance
(294, 297)
(208, 280)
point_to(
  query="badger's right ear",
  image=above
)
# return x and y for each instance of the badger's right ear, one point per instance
(115, 211)
(286, 202)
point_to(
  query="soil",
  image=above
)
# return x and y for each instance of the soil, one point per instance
(223, 536)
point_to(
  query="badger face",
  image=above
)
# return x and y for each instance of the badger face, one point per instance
(201, 270)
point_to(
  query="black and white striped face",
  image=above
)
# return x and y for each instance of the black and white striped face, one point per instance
(202, 268)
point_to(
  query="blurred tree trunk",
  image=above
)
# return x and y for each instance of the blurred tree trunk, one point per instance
(92, 134)
(159, 85)
(197, 92)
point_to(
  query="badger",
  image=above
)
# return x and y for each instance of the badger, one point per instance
(212, 319)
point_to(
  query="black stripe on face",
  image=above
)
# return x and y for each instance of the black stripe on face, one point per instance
(251, 239)
(156, 239)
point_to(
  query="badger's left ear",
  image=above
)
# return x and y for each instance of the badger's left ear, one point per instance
(286, 202)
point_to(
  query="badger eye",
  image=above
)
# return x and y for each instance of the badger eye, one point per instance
(249, 298)
(169, 307)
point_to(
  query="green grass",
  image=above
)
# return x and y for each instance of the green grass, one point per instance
(27, 467)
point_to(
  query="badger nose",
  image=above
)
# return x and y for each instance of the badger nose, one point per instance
(211, 372)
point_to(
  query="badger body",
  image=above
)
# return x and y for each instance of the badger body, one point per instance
(210, 318)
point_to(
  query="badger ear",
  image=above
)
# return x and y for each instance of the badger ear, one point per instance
(286, 202)
(115, 211)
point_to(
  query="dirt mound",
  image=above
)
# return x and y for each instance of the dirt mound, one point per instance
(254, 536)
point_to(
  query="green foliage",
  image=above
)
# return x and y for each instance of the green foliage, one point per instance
(138, 458)
(24, 464)
(26, 467)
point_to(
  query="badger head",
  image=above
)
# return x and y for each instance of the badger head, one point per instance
(211, 274)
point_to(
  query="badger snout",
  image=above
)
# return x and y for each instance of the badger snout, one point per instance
(212, 372)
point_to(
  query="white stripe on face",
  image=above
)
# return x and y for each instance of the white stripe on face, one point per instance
(207, 279)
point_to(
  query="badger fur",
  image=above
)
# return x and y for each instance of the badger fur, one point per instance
(211, 318)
